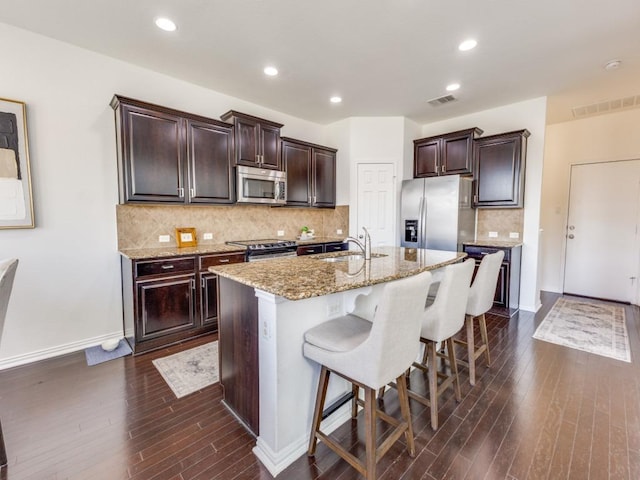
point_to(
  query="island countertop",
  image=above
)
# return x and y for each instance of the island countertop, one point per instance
(297, 278)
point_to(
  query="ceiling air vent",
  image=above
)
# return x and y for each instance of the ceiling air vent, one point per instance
(436, 102)
(606, 106)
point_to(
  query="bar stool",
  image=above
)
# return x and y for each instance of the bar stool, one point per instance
(481, 295)
(370, 355)
(440, 322)
(7, 274)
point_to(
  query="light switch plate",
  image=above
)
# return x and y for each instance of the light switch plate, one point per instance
(493, 234)
(164, 238)
(339, 231)
(207, 236)
(281, 233)
(514, 235)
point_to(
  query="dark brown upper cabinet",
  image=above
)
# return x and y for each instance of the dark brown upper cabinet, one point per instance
(168, 156)
(448, 154)
(311, 174)
(257, 140)
(499, 170)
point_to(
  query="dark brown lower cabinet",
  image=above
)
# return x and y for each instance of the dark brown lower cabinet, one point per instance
(238, 347)
(506, 301)
(321, 248)
(168, 300)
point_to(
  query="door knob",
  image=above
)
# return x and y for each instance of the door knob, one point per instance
(571, 235)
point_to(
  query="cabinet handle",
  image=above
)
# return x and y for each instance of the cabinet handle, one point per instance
(192, 192)
(444, 169)
(310, 250)
(167, 267)
(181, 192)
(475, 199)
(193, 284)
(224, 260)
(202, 283)
(314, 199)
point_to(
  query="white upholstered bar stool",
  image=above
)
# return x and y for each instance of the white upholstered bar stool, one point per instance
(440, 322)
(370, 354)
(481, 295)
(7, 274)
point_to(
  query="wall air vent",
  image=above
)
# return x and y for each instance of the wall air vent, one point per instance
(436, 102)
(606, 106)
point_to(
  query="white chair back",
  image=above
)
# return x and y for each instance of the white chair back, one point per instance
(445, 317)
(7, 274)
(483, 289)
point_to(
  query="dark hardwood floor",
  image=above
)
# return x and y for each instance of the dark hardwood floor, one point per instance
(540, 412)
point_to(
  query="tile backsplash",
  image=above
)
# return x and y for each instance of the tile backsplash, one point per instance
(503, 221)
(139, 226)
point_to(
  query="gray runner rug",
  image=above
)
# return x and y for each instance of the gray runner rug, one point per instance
(189, 371)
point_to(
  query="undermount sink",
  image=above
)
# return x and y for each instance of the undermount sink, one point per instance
(345, 257)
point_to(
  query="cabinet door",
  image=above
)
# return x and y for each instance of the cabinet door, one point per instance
(310, 249)
(269, 147)
(153, 156)
(165, 305)
(335, 247)
(499, 167)
(323, 178)
(297, 163)
(247, 137)
(501, 297)
(457, 154)
(209, 299)
(210, 148)
(426, 158)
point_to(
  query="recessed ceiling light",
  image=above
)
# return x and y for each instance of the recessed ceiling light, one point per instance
(613, 65)
(453, 87)
(165, 24)
(271, 71)
(335, 99)
(467, 45)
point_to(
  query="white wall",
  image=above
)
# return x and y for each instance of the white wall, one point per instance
(531, 115)
(609, 137)
(67, 289)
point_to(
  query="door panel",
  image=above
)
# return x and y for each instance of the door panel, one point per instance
(602, 231)
(376, 202)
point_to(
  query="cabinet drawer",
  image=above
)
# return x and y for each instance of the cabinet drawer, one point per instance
(335, 247)
(479, 252)
(157, 267)
(207, 261)
(310, 249)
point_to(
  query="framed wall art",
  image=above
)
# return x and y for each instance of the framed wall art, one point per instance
(16, 202)
(186, 237)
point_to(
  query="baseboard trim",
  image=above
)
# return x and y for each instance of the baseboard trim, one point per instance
(57, 351)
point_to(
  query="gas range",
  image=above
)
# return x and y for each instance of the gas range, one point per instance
(267, 248)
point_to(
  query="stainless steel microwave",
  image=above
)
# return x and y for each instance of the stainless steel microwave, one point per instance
(259, 185)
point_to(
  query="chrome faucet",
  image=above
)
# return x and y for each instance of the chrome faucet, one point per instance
(366, 247)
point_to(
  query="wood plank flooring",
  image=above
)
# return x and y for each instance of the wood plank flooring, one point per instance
(540, 412)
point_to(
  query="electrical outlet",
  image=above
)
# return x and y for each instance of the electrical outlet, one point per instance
(339, 231)
(266, 331)
(514, 235)
(207, 236)
(164, 238)
(493, 234)
(281, 233)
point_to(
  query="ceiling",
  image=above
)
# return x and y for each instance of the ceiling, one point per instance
(383, 57)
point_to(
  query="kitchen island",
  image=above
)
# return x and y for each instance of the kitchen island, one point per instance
(265, 308)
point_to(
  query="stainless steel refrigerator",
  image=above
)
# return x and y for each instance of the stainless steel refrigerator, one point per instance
(436, 213)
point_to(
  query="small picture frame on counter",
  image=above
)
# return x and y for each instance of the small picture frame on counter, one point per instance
(186, 237)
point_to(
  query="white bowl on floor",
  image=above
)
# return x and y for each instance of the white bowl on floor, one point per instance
(110, 345)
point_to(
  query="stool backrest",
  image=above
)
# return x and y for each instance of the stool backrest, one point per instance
(483, 289)
(394, 341)
(445, 316)
(7, 274)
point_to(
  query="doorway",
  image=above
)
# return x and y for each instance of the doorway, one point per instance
(377, 202)
(602, 242)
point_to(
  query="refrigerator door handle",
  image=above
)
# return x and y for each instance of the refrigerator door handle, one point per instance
(422, 233)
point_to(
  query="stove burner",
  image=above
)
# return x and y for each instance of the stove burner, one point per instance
(267, 247)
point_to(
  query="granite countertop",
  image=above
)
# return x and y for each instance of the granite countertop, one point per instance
(494, 243)
(296, 278)
(144, 253)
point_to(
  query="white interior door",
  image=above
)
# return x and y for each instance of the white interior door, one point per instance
(602, 254)
(377, 202)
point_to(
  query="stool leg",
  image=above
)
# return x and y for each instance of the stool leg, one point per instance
(403, 398)
(317, 413)
(471, 350)
(3, 452)
(485, 338)
(454, 368)
(433, 382)
(370, 431)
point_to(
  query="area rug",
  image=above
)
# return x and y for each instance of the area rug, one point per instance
(189, 371)
(594, 327)
(97, 354)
